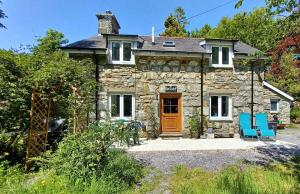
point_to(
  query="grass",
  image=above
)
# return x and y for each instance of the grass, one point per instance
(276, 178)
(239, 178)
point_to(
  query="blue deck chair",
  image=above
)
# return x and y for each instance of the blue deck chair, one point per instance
(245, 125)
(262, 125)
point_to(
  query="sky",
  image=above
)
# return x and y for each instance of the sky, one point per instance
(28, 19)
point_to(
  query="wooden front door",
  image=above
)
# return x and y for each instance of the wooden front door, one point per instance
(170, 112)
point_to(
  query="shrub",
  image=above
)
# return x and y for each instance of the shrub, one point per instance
(122, 168)
(83, 156)
(295, 114)
(194, 124)
(12, 148)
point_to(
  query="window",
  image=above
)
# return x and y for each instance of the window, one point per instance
(220, 56)
(121, 52)
(274, 105)
(115, 51)
(220, 107)
(121, 106)
(215, 55)
(126, 51)
(225, 55)
(170, 105)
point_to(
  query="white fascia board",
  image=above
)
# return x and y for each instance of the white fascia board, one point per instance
(277, 90)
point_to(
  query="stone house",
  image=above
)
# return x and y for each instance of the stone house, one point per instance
(168, 79)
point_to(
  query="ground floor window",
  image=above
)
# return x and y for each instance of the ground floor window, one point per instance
(220, 107)
(274, 105)
(121, 106)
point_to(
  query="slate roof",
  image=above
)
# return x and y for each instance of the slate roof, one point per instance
(94, 42)
(181, 44)
(190, 45)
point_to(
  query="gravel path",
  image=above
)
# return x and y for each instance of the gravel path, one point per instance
(212, 160)
(218, 159)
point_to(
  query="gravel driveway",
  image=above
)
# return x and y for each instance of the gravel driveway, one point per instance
(213, 160)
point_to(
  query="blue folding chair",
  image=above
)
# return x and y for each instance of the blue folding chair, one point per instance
(262, 126)
(245, 126)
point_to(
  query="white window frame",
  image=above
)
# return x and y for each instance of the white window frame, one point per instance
(220, 64)
(121, 61)
(278, 105)
(220, 117)
(121, 110)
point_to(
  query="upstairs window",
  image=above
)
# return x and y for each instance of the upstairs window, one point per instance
(121, 52)
(221, 56)
(116, 51)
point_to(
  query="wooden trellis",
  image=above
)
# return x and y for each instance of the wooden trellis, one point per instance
(38, 132)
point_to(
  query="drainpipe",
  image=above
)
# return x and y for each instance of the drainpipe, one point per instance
(201, 97)
(252, 95)
(97, 86)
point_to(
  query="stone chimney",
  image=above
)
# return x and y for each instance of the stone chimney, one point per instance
(107, 23)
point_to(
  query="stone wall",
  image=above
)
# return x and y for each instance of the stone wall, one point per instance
(284, 106)
(148, 78)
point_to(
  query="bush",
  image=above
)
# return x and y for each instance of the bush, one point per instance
(12, 148)
(83, 156)
(295, 114)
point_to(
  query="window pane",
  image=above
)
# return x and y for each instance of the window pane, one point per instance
(214, 106)
(225, 106)
(115, 105)
(167, 101)
(127, 106)
(174, 109)
(170, 105)
(126, 51)
(274, 105)
(167, 109)
(215, 55)
(116, 51)
(225, 55)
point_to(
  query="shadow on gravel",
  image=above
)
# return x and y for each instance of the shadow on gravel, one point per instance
(278, 153)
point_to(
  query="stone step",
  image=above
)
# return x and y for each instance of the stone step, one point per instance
(171, 135)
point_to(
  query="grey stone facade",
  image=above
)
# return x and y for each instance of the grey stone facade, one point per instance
(148, 78)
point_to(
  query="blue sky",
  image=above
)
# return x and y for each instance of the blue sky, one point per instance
(28, 19)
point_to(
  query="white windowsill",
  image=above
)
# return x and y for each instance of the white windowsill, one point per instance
(274, 112)
(221, 66)
(121, 118)
(122, 62)
(220, 119)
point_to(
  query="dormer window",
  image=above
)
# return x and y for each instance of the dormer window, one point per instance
(221, 56)
(121, 52)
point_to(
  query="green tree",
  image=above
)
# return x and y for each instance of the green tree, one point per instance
(173, 28)
(255, 28)
(201, 33)
(2, 15)
(180, 16)
(289, 77)
(175, 24)
(46, 69)
(275, 7)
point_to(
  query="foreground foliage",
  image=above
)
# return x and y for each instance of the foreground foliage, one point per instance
(277, 178)
(83, 163)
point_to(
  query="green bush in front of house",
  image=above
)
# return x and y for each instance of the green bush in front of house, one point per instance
(83, 163)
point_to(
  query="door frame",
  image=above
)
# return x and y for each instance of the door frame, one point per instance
(165, 95)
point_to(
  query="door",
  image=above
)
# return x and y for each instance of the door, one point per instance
(170, 112)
